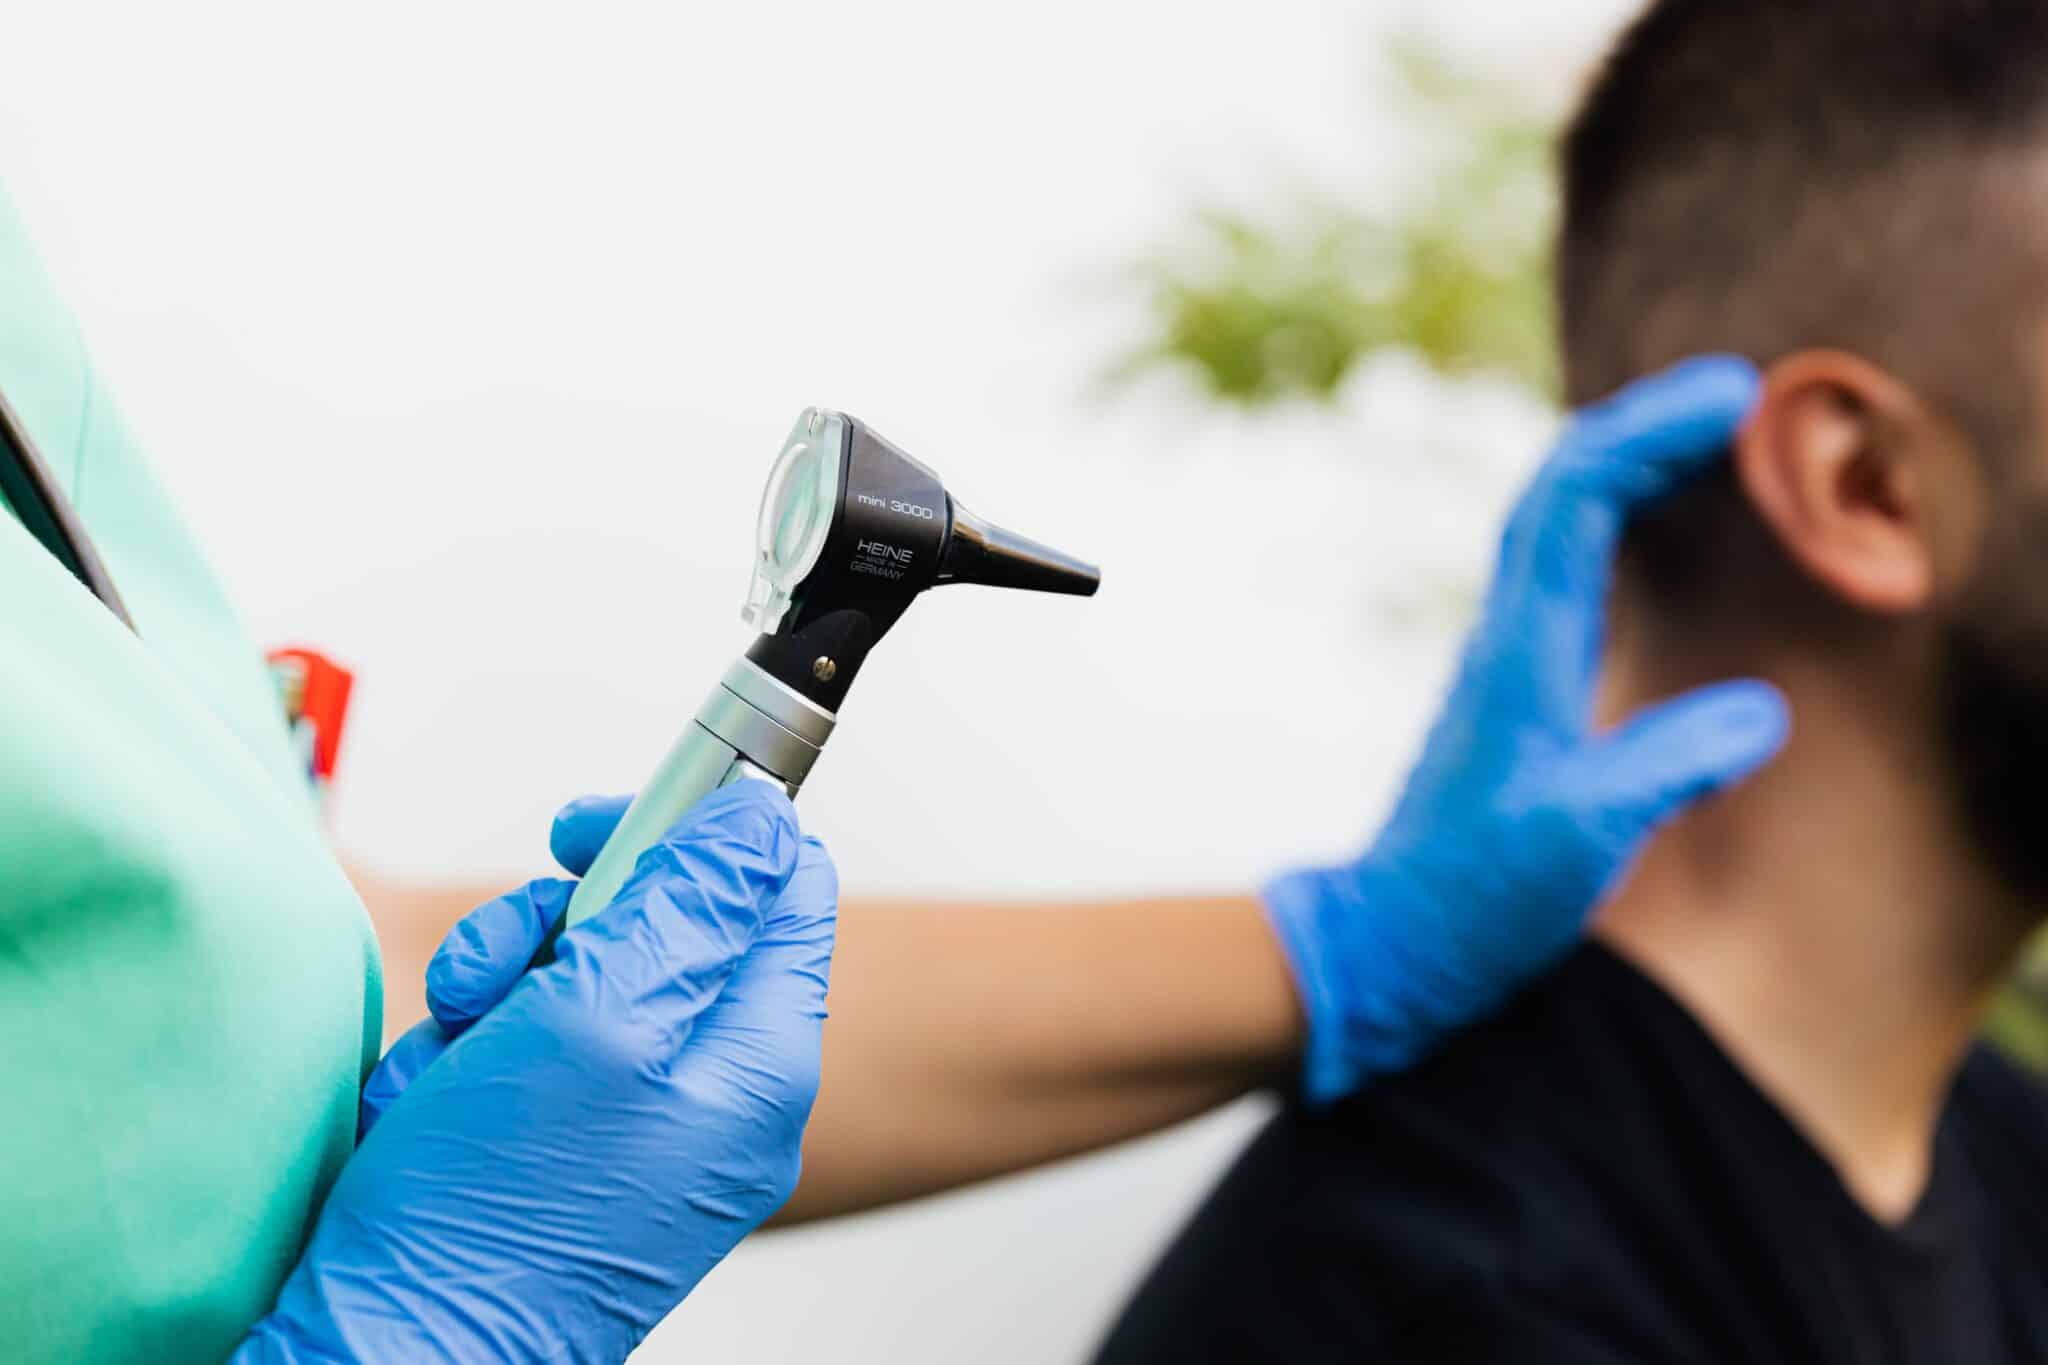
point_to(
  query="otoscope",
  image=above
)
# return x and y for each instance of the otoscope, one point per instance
(851, 530)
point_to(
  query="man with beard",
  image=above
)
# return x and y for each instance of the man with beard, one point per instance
(1749, 1121)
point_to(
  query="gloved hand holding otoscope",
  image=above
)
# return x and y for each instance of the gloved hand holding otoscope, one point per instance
(680, 1018)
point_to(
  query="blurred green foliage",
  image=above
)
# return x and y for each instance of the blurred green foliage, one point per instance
(1283, 302)
(2018, 1018)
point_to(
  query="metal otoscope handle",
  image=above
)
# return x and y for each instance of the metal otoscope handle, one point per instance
(750, 726)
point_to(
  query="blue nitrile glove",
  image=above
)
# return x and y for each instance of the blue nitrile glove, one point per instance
(601, 1131)
(1519, 816)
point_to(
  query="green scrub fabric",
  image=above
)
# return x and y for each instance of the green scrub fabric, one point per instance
(189, 988)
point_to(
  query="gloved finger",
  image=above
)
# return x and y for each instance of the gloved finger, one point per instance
(1557, 555)
(1667, 756)
(1652, 435)
(755, 1050)
(484, 955)
(412, 1054)
(782, 981)
(581, 828)
(1636, 446)
(801, 928)
(694, 905)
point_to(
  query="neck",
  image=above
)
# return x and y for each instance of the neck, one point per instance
(1827, 925)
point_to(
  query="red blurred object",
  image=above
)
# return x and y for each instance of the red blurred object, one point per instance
(315, 691)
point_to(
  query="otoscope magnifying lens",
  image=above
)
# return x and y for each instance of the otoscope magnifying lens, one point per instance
(796, 514)
(793, 511)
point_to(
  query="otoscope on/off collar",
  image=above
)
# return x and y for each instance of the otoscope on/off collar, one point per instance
(851, 530)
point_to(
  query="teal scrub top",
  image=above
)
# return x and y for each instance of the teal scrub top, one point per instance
(189, 988)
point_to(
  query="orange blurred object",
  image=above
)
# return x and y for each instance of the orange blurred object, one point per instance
(315, 691)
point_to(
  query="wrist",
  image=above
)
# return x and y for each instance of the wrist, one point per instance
(1258, 1023)
(1350, 974)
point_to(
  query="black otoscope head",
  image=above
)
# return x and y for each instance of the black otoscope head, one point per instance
(851, 530)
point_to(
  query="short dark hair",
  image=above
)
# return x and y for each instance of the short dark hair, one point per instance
(1763, 176)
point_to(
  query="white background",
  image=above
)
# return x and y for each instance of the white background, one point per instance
(466, 333)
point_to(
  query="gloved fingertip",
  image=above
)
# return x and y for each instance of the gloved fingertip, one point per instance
(1687, 748)
(1752, 712)
(806, 914)
(750, 807)
(815, 861)
(1718, 385)
(1660, 429)
(756, 816)
(1736, 377)
(486, 952)
(451, 973)
(1730, 728)
(580, 829)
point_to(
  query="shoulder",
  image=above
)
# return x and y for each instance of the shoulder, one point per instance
(1998, 1111)
(1320, 1245)
(1989, 1076)
(1555, 1173)
(1400, 1215)
(1997, 1123)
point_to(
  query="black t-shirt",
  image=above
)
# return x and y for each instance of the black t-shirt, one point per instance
(1588, 1178)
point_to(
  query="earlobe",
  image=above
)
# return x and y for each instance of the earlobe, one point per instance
(1831, 461)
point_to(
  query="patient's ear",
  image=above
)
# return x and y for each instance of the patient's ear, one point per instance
(1844, 463)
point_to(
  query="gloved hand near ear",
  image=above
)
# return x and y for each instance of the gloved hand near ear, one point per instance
(557, 1157)
(1518, 818)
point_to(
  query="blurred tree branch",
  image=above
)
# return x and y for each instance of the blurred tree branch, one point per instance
(1282, 303)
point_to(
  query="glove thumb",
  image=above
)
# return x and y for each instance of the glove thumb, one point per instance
(1677, 752)
(581, 828)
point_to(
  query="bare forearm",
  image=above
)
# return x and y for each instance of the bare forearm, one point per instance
(966, 1042)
